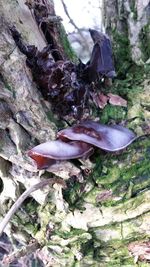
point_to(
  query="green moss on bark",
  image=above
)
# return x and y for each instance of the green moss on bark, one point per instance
(145, 42)
(122, 52)
(66, 45)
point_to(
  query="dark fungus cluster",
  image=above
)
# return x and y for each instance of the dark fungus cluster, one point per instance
(66, 85)
(79, 142)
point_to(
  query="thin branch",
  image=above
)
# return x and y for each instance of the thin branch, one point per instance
(20, 200)
(68, 15)
(75, 26)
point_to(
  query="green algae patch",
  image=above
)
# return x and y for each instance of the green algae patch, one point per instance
(73, 194)
(120, 171)
(66, 45)
(134, 9)
(45, 216)
(72, 239)
(91, 197)
(128, 173)
(112, 175)
(104, 253)
(145, 40)
(114, 113)
(122, 52)
(69, 234)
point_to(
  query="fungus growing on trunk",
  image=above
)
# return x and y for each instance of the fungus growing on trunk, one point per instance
(109, 138)
(67, 85)
(78, 141)
(47, 154)
(101, 62)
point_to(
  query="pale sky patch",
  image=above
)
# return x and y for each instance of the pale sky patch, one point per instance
(85, 14)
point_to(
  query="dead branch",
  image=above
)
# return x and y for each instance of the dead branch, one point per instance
(21, 199)
(75, 26)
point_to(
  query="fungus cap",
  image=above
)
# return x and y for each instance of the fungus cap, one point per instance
(109, 138)
(48, 153)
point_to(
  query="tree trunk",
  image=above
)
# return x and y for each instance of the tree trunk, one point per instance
(101, 219)
(129, 20)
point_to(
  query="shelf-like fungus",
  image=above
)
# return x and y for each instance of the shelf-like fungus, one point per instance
(49, 153)
(107, 137)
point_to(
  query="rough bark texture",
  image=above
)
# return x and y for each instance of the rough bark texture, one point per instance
(128, 23)
(95, 221)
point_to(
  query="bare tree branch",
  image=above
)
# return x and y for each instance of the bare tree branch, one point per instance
(75, 26)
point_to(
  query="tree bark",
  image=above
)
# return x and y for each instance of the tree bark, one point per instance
(131, 20)
(138, 18)
(96, 220)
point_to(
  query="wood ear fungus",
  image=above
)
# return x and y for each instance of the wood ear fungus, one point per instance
(78, 141)
(49, 153)
(109, 138)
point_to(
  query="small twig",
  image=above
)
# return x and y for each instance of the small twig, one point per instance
(70, 19)
(20, 200)
(75, 26)
(24, 251)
